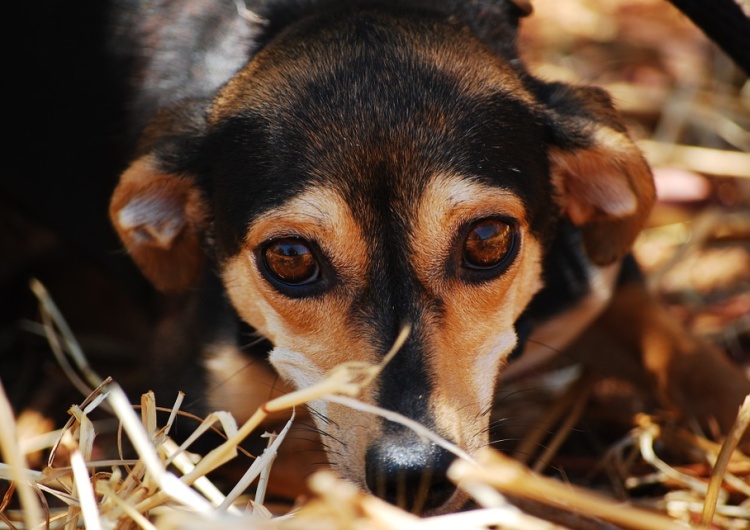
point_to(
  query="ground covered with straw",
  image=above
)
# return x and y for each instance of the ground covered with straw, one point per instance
(569, 450)
(165, 485)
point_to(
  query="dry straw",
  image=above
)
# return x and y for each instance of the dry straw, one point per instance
(167, 487)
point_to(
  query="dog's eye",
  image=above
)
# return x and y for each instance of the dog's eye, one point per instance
(489, 244)
(291, 261)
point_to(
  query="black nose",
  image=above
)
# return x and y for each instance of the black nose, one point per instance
(409, 473)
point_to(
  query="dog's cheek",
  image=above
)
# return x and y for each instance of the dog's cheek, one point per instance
(239, 384)
(472, 343)
(295, 367)
(460, 401)
(346, 432)
(311, 337)
(245, 294)
(487, 366)
(464, 388)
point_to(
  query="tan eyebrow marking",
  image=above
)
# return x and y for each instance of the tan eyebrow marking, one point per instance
(320, 214)
(448, 202)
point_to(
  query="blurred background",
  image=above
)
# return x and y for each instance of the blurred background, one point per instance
(688, 107)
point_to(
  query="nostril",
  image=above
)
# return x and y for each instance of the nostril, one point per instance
(412, 476)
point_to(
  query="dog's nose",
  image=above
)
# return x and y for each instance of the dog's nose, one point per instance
(409, 473)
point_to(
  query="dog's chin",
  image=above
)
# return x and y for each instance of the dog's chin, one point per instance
(455, 503)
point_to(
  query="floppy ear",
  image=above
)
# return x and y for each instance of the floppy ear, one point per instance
(160, 217)
(604, 184)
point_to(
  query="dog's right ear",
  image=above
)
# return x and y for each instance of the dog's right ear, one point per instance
(160, 217)
(604, 184)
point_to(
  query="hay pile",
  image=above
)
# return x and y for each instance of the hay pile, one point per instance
(166, 486)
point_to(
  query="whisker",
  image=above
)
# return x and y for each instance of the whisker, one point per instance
(322, 417)
(544, 345)
(502, 396)
(485, 411)
(305, 439)
(324, 435)
(260, 339)
(511, 422)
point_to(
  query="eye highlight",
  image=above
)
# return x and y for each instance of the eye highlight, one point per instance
(291, 261)
(490, 245)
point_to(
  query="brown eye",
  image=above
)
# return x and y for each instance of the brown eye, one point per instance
(291, 261)
(489, 243)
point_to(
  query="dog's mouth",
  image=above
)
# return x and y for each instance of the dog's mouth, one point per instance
(410, 473)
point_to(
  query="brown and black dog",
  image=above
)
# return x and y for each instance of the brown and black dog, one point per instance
(332, 171)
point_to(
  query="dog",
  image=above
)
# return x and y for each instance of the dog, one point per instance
(325, 173)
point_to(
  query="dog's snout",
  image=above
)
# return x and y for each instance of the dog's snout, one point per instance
(410, 474)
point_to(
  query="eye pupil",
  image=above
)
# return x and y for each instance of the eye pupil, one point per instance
(291, 261)
(488, 243)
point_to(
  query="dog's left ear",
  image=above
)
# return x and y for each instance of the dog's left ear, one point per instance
(604, 184)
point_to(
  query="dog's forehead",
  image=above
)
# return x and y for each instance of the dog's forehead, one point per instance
(364, 49)
(376, 105)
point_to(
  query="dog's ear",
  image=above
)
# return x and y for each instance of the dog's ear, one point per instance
(496, 22)
(603, 182)
(160, 217)
(158, 209)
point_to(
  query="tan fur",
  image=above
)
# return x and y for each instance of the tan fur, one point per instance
(607, 189)
(476, 330)
(160, 217)
(553, 336)
(311, 336)
(693, 377)
(238, 384)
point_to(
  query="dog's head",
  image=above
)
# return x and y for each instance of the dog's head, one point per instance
(371, 168)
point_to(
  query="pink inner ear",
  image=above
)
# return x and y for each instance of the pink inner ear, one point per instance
(153, 220)
(592, 185)
(600, 179)
(159, 217)
(605, 190)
